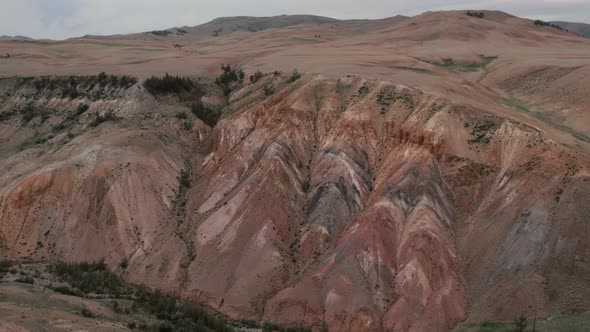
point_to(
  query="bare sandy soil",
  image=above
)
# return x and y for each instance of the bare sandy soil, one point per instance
(423, 172)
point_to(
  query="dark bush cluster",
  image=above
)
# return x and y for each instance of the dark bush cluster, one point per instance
(101, 118)
(547, 24)
(363, 90)
(26, 279)
(305, 186)
(476, 14)
(182, 86)
(520, 323)
(30, 112)
(90, 278)
(124, 263)
(256, 76)
(268, 89)
(206, 114)
(86, 313)
(295, 76)
(161, 33)
(7, 115)
(5, 265)
(187, 125)
(229, 76)
(71, 118)
(184, 179)
(482, 132)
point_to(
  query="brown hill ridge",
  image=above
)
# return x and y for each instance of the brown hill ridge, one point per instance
(420, 174)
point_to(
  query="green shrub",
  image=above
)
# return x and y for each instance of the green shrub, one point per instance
(108, 116)
(543, 23)
(249, 323)
(207, 115)
(184, 179)
(305, 186)
(187, 125)
(521, 323)
(116, 307)
(26, 279)
(7, 115)
(5, 265)
(363, 90)
(170, 85)
(476, 14)
(174, 315)
(86, 313)
(268, 89)
(30, 112)
(256, 76)
(90, 278)
(294, 76)
(229, 77)
(127, 81)
(81, 109)
(161, 33)
(124, 263)
(181, 115)
(66, 290)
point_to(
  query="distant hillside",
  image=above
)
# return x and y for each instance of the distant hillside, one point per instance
(227, 25)
(579, 28)
(15, 38)
(262, 23)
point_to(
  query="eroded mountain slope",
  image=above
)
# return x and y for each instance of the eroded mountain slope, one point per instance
(350, 204)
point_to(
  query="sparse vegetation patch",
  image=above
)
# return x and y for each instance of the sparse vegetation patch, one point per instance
(256, 76)
(547, 24)
(30, 112)
(228, 78)
(160, 33)
(363, 90)
(95, 280)
(464, 67)
(387, 96)
(475, 14)
(93, 87)
(268, 89)
(414, 69)
(71, 118)
(482, 132)
(101, 118)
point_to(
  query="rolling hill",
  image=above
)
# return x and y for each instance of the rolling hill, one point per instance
(427, 173)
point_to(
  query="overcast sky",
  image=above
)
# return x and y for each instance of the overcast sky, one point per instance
(60, 19)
